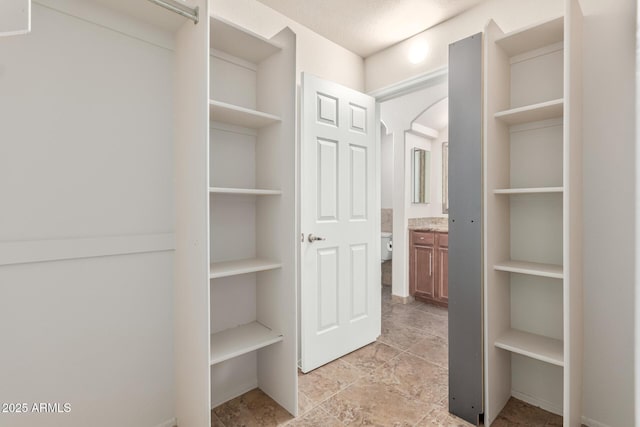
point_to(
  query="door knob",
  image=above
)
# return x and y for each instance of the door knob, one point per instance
(313, 238)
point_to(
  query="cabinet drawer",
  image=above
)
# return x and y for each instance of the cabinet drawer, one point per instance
(422, 238)
(443, 239)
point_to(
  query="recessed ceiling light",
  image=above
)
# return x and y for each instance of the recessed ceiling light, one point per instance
(418, 51)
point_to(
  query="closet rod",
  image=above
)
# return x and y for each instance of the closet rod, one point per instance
(179, 8)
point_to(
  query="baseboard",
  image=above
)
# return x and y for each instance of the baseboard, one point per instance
(593, 423)
(402, 300)
(544, 404)
(548, 406)
(169, 423)
(232, 394)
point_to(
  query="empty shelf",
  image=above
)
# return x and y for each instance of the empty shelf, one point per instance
(236, 41)
(240, 116)
(249, 191)
(532, 37)
(538, 347)
(532, 113)
(244, 266)
(532, 190)
(531, 268)
(243, 339)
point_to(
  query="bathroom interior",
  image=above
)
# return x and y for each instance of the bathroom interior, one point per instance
(415, 126)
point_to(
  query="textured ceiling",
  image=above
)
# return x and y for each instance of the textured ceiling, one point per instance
(368, 26)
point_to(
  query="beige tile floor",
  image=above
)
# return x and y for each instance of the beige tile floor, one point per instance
(400, 380)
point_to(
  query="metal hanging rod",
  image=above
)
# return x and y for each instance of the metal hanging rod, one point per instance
(179, 8)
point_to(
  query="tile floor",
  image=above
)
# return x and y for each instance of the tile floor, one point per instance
(400, 380)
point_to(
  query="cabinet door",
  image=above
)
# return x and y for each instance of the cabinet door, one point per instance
(422, 264)
(442, 268)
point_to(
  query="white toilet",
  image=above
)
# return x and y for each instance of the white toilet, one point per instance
(386, 246)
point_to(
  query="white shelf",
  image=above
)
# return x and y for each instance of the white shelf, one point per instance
(248, 191)
(243, 339)
(532, 37)
(532, 113)
(239, 42)
(244, 266)
(530, 268)
(531, 190)
(537, 347)
(239, 116)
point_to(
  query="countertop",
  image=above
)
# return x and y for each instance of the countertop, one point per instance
(437, 224)
(435, 229)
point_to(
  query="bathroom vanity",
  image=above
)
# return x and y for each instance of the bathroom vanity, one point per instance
(429, 265)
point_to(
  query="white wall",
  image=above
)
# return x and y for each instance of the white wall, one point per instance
(86, 161)
(316, 54)
(609, 191)
(386, 169)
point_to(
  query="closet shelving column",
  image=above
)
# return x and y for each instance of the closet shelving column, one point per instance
(533, 301)
(252, 214)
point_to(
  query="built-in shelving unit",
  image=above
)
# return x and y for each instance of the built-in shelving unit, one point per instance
(534, 190)
(240, 340)
(236, 42)
(531, 268)
(236, 245)
(244, 191)
(239, 116)
(532, 216)
(535, 346)
(244, 266)
(531, 38)
(251, 213)
(532, 113)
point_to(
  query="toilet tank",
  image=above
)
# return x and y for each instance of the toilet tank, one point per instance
(386, 246)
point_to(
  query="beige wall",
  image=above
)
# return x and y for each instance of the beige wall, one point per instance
(609, 195)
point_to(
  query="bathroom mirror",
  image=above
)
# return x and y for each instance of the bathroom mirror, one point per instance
(421, 160)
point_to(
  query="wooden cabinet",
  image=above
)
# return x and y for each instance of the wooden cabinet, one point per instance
(442, 267)
(428, 265)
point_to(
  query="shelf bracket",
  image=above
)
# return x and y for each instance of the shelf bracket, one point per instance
(179, 8)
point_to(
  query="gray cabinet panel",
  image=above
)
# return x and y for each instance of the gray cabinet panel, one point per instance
(465, 228)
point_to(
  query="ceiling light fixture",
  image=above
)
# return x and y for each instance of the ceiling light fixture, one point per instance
(418, 51)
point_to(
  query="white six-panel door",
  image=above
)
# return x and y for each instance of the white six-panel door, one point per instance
(340, 289)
